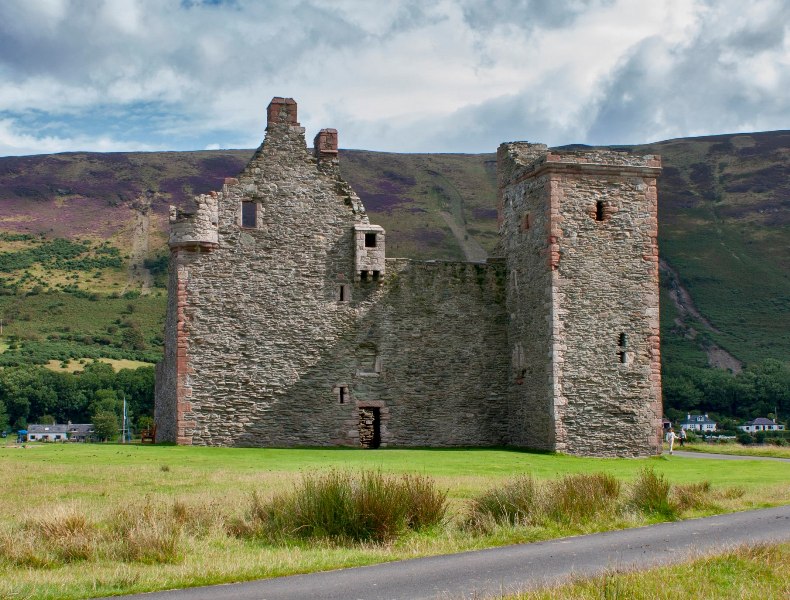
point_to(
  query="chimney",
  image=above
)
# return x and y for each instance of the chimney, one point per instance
(325, 144)
(281, 110)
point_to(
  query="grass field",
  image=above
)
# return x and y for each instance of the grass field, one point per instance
(756, 573)
(52, 487)
(75, 365)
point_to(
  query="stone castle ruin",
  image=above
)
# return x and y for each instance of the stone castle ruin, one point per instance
(287, 325)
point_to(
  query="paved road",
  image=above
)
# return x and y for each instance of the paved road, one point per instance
(488, 573)
(685, 454)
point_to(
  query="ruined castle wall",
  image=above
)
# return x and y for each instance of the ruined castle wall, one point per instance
(606, 304)
(273, 341)
(524, 234)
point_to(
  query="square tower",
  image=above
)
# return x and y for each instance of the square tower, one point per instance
(579, 233)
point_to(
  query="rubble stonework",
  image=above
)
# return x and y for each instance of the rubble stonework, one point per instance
(287, 325)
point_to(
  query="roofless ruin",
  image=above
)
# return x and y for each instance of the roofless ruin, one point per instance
(287, 325)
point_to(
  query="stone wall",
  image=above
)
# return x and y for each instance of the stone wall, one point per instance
(287, 325)
(580, 234)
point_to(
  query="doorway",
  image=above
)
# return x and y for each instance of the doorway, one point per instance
(369, 427)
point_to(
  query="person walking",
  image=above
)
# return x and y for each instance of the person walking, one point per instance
(671, 439)
(682, 437)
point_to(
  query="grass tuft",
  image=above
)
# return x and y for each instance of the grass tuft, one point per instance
(517, 502)
(580, 498)
(342, 506)
(650, 494)
(691, 496)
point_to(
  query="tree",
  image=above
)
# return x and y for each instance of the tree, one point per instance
(105, 425)
(4, 422)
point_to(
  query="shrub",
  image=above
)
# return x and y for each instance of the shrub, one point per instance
(344, 507)
(691, 496)
(579, 498)
(148, 534)
(515, 503)
(650, 494)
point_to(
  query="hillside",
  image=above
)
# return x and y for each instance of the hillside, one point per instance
(724, 216)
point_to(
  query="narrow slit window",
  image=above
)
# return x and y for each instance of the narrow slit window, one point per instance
(526, 222)
(622, 354)
(599, 210)
(370, 240)
(342, 394)
(343, 293)
(248, 214)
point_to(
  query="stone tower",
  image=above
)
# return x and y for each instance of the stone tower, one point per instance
(287, 325)
(579, 235)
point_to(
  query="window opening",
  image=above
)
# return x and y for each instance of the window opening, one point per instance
(342, 393)
(622, 342)
(599, 210)
(370, 240)
(342, 293)
(526, 222)
(248, 214)
(376, 275)
(363, 275)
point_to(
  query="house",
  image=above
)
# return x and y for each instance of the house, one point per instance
(761, 424)
(80, 432)
(701, 423)
(74, 432)
(47, 433)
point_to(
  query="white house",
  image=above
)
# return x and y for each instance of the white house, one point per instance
(75, 432)
(761, 424)
(47, 433)
(701, 423)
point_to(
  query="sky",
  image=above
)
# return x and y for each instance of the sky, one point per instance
(397, 76)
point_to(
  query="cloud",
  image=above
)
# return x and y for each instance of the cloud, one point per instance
(453, 75)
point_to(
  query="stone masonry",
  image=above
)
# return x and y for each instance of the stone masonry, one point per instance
(288, 326)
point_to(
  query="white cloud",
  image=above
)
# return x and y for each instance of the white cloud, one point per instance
(16, 143)
(456, 75)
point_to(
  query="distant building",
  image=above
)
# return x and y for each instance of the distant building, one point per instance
(47, 433)
(701, 423)
(80, 432)
(74, 432)
(761, 424)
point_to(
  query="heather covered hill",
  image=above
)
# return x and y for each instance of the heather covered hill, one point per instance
(724, 226)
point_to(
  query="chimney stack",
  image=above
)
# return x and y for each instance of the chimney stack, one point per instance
(325, 144)
(281, 110)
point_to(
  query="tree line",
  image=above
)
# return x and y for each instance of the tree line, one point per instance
(35, 394)
(760, 390)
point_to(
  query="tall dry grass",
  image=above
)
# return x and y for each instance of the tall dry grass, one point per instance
(344, 506)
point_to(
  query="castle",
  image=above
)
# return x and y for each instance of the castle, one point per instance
(287, 325)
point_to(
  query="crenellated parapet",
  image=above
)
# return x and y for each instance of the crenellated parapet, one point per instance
(198, 229)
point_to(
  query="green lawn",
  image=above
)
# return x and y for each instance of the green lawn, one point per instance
(54, 486)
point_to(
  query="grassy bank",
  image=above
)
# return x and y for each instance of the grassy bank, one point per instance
(746, 573)
(138, 518)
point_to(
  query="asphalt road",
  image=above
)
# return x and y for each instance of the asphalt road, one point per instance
(684, 454)
(488, 573)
